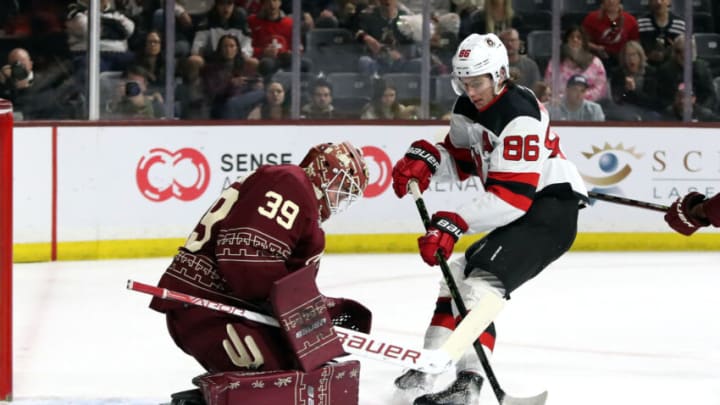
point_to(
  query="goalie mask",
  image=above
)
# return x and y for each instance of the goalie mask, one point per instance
(338, 174)
(480, 55)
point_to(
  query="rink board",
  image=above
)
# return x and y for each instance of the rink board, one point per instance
(137, 191)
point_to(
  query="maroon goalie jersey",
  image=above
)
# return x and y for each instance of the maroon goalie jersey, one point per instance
(260, 229)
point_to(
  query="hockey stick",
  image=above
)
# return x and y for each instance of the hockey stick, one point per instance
(628, 201)
(502, 397)
(353, 342)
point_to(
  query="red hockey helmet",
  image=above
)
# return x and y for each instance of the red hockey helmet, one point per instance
(338, 174)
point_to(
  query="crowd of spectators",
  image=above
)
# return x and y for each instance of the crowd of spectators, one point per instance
(616, 63)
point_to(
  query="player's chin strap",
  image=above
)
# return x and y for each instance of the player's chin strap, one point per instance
(474, 322)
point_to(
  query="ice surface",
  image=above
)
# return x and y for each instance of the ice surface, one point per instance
(592, 329)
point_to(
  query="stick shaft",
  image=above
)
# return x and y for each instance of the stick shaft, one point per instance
(455, 293)
(628, 201)
(354, 342)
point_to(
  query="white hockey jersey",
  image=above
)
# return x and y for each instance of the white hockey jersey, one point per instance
(511, 147)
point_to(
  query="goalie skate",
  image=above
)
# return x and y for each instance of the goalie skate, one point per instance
(189, 397)
(465, 390)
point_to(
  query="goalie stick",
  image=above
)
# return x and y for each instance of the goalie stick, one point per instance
(502, 397)
(353, 342)
(627, 201)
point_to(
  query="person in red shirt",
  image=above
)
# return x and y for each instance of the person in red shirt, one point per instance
(608, 29)
(271, 32)
(261, 229)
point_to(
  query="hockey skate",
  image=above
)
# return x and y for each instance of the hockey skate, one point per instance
(415, 380)
(465, 390)
(411, 384)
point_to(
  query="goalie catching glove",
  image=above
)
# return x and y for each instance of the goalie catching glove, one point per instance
(349, 314)
(693, 211)
(420, 162)
(444, 230)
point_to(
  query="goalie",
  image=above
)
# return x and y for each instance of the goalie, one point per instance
(258, 247)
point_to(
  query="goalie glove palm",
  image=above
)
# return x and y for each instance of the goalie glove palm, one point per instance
(444, 230)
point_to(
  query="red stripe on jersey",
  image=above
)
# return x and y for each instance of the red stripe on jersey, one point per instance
(518, 201)
(503, 190)
(495, 99)
(530, 179)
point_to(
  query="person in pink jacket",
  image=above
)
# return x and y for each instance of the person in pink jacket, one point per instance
(576, 58)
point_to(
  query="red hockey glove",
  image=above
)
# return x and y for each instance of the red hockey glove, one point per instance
(421, 160)
(679, 215)
(444, 230)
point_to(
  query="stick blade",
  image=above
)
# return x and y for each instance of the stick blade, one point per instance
(536, 400)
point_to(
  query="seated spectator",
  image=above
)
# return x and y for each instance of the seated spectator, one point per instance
(250, 6)
(384, 106)
(151, 59)
(523, 69)
(389, 49)
(658, 29)
(341, 14)
(271, 32)
(274, 106)
(698, 113)
(443, 39)
(543, 91)
(225, 19)
(466, 9)
(320, 105)
(224, 78)
(574, 106)
(497, 16)
(608, 28)
(670, 74)
(634, 87)
(133, 101)
(115, 29)
(184, 26)
(190, 92)
(576, 58)
(50, 94)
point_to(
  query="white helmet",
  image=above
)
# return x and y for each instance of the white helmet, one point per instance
(479, 55)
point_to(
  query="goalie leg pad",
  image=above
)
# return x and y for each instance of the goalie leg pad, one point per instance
(332, 384)
(304, 319)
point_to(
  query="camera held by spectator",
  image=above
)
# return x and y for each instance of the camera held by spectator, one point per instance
(16, 75)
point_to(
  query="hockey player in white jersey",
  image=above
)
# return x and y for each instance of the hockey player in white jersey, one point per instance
(500, 133)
